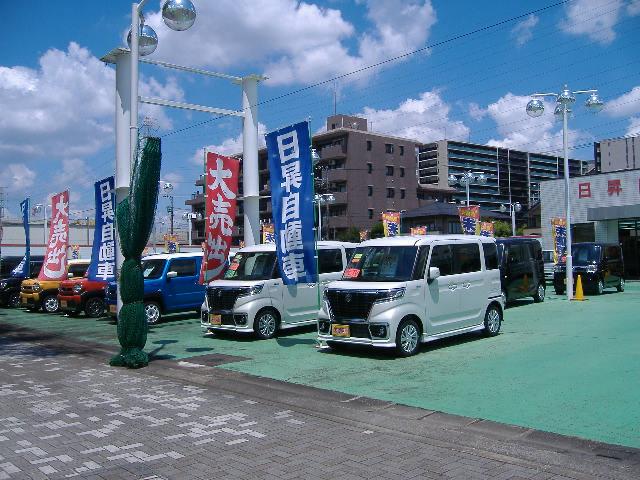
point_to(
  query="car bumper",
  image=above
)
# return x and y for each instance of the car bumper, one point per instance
(30, 299)
(589, 280)
(225, 321)
(70, 303)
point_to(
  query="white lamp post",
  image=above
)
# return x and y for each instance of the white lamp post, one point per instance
(466, 179)
(320, 199)
(167, 192)
(513, 209)
(189, 217)
(564, 100)
(36, 209)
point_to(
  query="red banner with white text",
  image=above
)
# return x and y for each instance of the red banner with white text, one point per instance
(55, 261)
(221, 192)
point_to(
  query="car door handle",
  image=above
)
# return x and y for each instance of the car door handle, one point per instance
(311, 285)
(452, 287)
(466, 285)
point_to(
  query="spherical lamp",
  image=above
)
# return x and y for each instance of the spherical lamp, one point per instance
(147, 40)
(535, 107)
(178, 14)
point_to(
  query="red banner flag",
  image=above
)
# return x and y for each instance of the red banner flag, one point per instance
(55, 262)
(221, 192)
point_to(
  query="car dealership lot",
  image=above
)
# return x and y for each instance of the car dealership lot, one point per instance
(566, 368)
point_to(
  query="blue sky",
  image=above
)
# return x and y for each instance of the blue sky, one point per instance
(56, 130)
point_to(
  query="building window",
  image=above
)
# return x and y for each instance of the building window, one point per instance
(401, 150)
(368, 145)
(391, 192)
(333, 126)
(402, 171)
(388, 147)
(370, 191)
(402, 192)
(455, 227)
(389, 171)
(370, 213)
(369, 167)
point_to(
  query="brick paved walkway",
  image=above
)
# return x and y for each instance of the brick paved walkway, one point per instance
(68, 415)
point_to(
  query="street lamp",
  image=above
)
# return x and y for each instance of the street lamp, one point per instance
(466, 179)
(513, 209)
(189, 217)
(167, 190)
(323, 198)
(35, 210)
(564, 100)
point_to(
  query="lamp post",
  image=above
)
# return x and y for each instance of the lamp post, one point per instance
(167, 190)
(513, 209)
(466, 179)
(323, 198)
(564, 101)
(36, 209)
(189, 216)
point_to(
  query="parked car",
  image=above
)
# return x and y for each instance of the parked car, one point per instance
(170, 285)
(549, 265)
(82, 295)
(36, 294)
(600, 265)
(252, 297)
(400, 291)
(10, 284)
(521, 268)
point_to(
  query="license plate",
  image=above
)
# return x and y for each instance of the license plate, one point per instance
(63, 304)
(340, 330)
(215, 319)
(112, 308)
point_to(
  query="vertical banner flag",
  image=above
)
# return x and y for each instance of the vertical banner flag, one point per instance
(486, 229)
(470, 219)
(220, 204)
(419, 230)
(268, 233)
(55, 261)
(559, 233)
(23, 270)
(289, 151)
(364, 235)
(391, 223)
(171, 243)
(75, 252)
(103, 253)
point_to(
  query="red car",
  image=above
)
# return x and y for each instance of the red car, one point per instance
(82, 295)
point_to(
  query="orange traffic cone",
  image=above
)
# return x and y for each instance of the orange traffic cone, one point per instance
(579, 296)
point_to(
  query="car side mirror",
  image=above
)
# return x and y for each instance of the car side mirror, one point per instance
(434, 272)
(172, 274)
(69, 275)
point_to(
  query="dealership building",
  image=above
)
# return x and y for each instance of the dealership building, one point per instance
(605, 207)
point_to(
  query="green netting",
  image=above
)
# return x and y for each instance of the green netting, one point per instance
(134, 221)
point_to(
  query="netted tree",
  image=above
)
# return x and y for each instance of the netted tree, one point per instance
(134, 219)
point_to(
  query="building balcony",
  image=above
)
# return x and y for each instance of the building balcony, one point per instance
(200, 181)
(336, 175)
(332, 151)
(336, 222)
(196, 199)
(341, 198)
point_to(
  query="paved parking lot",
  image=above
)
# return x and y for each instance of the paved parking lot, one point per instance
(566, 368)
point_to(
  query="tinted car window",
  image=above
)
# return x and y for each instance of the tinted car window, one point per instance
(252, 266)
(585, 254)
(184, 267)
(152, 269)
(349, 253)
(490, 256)
(612, 252)
(518, 253)
(381, 264)
(423, 254)
(78, 270)
(466, 257)
(442, 259)
(329, 261)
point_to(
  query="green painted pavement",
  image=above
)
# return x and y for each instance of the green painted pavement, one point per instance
(572, 369)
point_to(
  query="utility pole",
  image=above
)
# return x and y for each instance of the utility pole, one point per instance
(1, 220)
(171, 199)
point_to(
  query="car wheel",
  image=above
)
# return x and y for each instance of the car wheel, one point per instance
(94, 308)
(620, 286)
(407, 338)
(540, 293)
(14, 300)
(265, 324)
(51, 304)
(152, 312)
(600, 287)
(492, 321)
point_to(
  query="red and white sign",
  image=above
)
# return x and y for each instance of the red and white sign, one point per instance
(221, 192)
(55, 261)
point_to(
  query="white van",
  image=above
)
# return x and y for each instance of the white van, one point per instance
(398, 292)
(252, 297)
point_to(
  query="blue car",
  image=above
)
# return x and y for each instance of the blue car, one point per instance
(170, 285)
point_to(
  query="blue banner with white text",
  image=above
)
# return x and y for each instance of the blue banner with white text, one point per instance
(23, 270)
(103, 254)
(289, 151)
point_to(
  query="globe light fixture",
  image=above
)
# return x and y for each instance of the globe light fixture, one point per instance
(466, 179)
(593, 103)
(512, 208)
(147, 40)
(566, 97)
(535, 108)
(178, 15)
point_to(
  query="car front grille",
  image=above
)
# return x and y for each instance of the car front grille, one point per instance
(223, 298)
(66, 291)
(352, 304)
(26, 288)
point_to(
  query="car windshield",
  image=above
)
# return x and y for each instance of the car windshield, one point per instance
(251, 266)
(381, 264)
(153, 268)
(585, 254)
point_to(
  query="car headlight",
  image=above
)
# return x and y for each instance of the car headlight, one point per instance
(592, 268)
(3, 285)
(36, 287)
(77, 288)
(391, 295)
(256, 289)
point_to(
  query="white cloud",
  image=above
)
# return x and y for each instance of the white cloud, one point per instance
(476, 112)
(17, 176)
(425, 118)
(523, 31)
(634, 126)
(173, 177)
(74, 172)
(65, 107)
(597, 18)
(625, 105)
(294, 42)
(229, 146)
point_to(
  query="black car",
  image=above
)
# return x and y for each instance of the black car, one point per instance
(521, 268)
(10, 284)
(600, 265)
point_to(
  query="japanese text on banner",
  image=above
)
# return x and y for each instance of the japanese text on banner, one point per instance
(559, 233)
(391, 224)
(103, 254)
(289, 151)
(470, 219)
(55, 261)
(23, 270)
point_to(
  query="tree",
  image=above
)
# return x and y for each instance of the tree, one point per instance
(352, 234)
(377, 231)
(501, 229)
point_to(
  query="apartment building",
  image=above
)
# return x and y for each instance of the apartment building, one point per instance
(617, 154)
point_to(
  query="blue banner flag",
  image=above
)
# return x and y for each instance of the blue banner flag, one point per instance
(289, 151)
(103, 254)
(23, 270)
